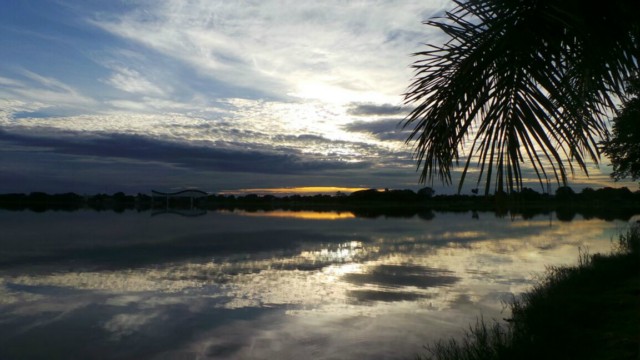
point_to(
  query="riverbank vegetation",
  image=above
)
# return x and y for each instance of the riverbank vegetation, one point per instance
(588, 311)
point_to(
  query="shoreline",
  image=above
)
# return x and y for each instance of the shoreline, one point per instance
(607, 203)
(586, 311)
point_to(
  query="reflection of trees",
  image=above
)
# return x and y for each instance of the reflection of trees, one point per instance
(565, 214)
(604, 203)
(180, 212)
(393, 212)
(426, 215)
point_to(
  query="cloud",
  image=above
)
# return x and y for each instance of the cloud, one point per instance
(353, 48)
(36, 92)
(383, 129)
(10, 82)
(376, 110)
(316, 130)
(138, 147)
(132, 81)
(270, 85)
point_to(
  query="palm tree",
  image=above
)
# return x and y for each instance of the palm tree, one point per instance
(521, 79)
(623, 144)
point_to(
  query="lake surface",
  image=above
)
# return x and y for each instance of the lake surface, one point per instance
(266, 285)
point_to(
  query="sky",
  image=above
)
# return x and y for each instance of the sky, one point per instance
(122, 95)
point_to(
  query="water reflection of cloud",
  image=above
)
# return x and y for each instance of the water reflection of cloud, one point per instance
(316, 272)
(362, 277)
(126, 324)
(389, 333)
(10, 296)
(364, 296)
(113, 281)
(397, 276)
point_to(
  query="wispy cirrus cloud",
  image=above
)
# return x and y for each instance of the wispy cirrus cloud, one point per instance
(43, 92)
(285, 47)
(132, 81)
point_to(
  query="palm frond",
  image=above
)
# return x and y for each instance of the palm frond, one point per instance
(521, 81)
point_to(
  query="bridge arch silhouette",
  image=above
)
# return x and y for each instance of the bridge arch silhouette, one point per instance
(190, 193)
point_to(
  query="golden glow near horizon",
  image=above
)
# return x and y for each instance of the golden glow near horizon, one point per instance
(302, 190)
(305, 215)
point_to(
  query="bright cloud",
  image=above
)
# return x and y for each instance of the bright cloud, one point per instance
(328, 50)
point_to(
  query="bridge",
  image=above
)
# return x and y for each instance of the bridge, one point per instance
(188, 193)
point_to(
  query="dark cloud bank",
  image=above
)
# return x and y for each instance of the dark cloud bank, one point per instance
(141, 148)
(383, 129)
(377, 110)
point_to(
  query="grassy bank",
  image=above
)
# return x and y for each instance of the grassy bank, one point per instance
(589, 311)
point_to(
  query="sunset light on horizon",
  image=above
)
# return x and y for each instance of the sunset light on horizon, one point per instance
(303, 190)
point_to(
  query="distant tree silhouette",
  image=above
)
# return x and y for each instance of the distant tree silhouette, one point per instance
(588, 193)
(529, 194)
(564, 193)
(521, 79)
(426, 192)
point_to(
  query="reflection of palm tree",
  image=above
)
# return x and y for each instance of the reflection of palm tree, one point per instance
(522, 79)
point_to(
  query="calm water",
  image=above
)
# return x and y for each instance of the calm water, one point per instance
(265, 285)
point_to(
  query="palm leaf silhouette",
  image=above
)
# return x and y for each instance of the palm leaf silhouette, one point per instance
(520, 81)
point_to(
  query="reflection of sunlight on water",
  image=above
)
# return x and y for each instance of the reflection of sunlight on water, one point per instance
(458, 235)
(334, 273)
(398, 279)
(304, 215)
(315, 276)
(345, 252)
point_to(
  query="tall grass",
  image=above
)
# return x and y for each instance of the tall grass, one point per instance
(588, 311)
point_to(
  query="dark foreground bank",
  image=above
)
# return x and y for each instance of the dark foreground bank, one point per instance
(589, 311)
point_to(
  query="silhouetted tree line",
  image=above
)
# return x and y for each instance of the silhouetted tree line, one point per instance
(603, 203)
(40, 202)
